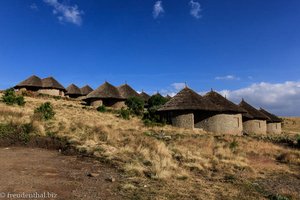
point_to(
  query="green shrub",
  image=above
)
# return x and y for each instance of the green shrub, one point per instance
(277, 197)
(125, 114)
(16, 132)
(233, 145)
(135, 105)
(101, 109)
(45, 111)
(10, 98)
(298, 141)
(156, 101)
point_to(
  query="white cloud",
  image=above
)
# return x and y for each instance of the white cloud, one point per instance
(34, 7)
(178, 86)
(195, 9)
(66, 13)
(228, 77)
(158, 9)
(280, 98)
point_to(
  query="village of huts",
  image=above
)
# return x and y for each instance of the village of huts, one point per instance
(211, 112)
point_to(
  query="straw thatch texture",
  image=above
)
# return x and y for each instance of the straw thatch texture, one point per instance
(105, 91)
(253, 112)
(225, 104)
(126, 91)
(73, 90)
(273, 118)
(51, 83)
(187, 99)
(31, 82)
(86, 90)
(145, 96)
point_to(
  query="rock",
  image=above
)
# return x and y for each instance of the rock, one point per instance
(92, 174)
(110, 179)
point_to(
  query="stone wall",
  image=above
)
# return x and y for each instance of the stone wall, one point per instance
(96, 103)
(53, 92)
(183, 119)
(220, 123)
(255, 127)
(274, 128)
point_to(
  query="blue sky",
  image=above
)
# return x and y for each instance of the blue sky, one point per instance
(231, 46)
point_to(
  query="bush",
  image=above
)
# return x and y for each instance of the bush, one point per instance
(125, 114)
(16, 132)
(45, 111)
(10, 98)
(135, 105)
(233, 145)
(156, 101)
(298, 141)
(101, 109)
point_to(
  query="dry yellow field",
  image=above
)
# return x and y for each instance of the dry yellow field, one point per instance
(172, 163)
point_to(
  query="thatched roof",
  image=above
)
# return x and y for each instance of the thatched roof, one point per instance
(145, 96)
(253, 112)
(225, 104)
(273, 118)
(73, 89)
(51, 83)
(168, 97)
(126, 91)
(32, 81)
(86, 90)
(105, 91)
(187, 99)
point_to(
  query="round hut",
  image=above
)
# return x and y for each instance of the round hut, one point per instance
(86, 90)
(126, 91)
(145, 97)
(229, 120)
(187, 109)
(107, 95)
(254, 122)
(52, 87)
(274, 122)
(33, 83)
(73, 91)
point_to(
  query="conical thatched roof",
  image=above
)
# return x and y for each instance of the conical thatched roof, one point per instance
(253, 112)
(106, 90)
(145, 96)
(32, 81)
(224, 103)
(86, 90)
(273, 118)
(187, 99)
(168, 97)
(126, 91)
(51, 83)
(73, 90)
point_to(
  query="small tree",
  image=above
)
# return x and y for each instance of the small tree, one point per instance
(135, 105)
(11, 98)
(101, 109)
(45, 111)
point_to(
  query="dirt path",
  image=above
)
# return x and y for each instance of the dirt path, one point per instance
(38, 170)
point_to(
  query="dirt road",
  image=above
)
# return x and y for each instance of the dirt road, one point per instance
(25, 171)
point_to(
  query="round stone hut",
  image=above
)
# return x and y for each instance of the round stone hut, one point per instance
(85, 90)
(274, 122)
(52, 87)
(187, 109)
(126, 91)
(254, 122)
(107, 95)
(73, 91)
(228, 120)
(33, 83)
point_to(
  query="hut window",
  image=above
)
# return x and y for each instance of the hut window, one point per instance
(238, 122)
(276, 126)
(259, 124)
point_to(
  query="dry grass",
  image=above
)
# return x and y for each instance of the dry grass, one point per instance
(177, 165)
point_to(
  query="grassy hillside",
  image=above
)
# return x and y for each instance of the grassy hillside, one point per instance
(172, 163)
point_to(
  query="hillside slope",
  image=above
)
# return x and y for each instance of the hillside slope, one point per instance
(167, 162)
